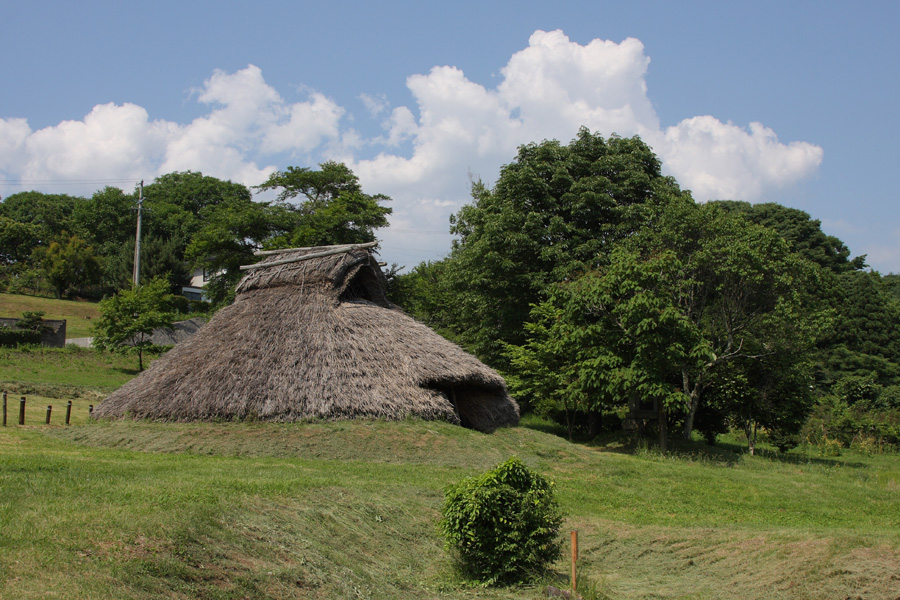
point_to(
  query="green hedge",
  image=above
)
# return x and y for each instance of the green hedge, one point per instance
(15, 337)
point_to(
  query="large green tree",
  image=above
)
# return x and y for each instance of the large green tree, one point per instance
(107, 219)
(17, 240)
(70, 262)
(178, 203)
(865, 338)
(230, 235)
(694, 293)
(555, 211)
(50, 213)
(333, 209)
(803, 234)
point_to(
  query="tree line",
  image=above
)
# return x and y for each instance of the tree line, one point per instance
(603, 291)
(597, 286)
(74, 246)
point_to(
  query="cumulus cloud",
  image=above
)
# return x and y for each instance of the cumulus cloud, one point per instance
(454, 129)
(553, 87)
(248, 121)
(723, 161)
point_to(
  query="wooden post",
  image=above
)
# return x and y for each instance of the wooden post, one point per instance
(68, 411)
(22, 411)
(49, 410)
(4, 408)
(574, 560)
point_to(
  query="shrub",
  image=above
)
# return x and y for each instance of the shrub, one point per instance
(15, 337)
(829, 447)
(502, 526)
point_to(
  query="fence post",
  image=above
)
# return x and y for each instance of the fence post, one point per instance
(574, 560)
(4, 408)
(49, 410)
(22, 411)
(68, 411)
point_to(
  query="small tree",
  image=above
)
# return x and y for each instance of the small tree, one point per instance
(504, 525)
(127, 319)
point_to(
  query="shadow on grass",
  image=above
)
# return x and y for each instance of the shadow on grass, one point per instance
(796, 457)
(132, 371)
(724, 452)
(530, 421)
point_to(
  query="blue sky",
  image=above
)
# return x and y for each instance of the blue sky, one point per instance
(791, 102)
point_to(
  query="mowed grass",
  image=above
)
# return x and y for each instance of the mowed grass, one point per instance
(66, 372)
(349, 509)
(79, 316)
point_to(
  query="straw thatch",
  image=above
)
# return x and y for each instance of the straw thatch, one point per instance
(311, 335)
(178, 332)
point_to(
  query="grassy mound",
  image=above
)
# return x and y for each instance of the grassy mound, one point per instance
(349, 510)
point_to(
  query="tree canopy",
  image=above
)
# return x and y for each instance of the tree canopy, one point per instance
(688, 296)
(334, 209)
(555, 210)
(190, 220)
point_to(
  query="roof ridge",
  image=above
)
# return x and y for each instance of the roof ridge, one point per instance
(332, 251)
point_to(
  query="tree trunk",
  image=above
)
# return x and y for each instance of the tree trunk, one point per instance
(693, 404)
(595, 421)
(693, 397)
(663, 429)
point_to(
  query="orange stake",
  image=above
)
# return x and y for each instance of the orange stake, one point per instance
(574, 559)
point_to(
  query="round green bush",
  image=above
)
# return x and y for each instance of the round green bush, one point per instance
(502, 526)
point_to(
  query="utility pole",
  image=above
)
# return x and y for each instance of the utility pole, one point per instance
(136, 274)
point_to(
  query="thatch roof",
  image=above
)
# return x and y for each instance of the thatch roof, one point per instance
(178, 332)
(311, 335)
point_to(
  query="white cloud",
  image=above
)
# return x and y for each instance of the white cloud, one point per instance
(248, 121)
(722, 161)
(428, 149)
(13, 135)
(112, 142)
(375, 104)
(559, 85)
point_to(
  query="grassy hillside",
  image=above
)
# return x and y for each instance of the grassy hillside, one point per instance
(65, 373)
(348, 510)
(78, 315)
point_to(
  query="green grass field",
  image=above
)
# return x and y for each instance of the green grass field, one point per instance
(65, 372)
(349, 509)
(79, 316)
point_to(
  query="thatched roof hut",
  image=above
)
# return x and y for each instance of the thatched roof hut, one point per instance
(311, 335)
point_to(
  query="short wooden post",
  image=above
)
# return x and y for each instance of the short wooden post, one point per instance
(574, 560)
(49, 410)
(22, 411)
(68, 411)
(4, 408)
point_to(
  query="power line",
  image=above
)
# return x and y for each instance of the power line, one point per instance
(22, 182)
(417, 231)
